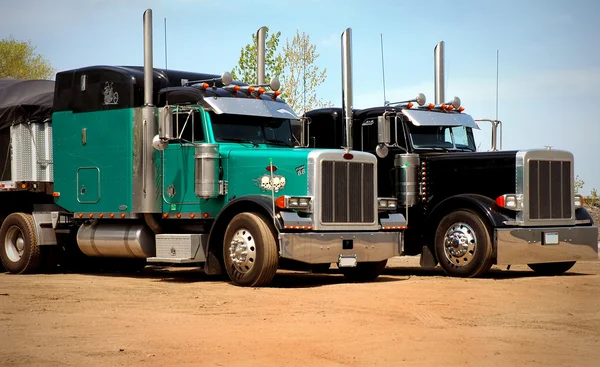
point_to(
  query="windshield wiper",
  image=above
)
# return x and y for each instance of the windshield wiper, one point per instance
(241, 140)
(276, 142)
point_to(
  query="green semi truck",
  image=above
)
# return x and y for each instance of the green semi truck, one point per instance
(137, 164)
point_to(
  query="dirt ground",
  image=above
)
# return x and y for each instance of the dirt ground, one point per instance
(409, 317)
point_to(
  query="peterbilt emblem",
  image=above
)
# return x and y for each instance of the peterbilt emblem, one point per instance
(110, 97)
(274, 183)
(300, 170)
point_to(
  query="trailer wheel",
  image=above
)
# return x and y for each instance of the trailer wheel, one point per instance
(19, 250)
(250, 251)
(552, 268)
(365, 271)
(463, 244)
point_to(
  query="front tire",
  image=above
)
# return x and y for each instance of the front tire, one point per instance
(552, 268)
(365, 272)
(250, 251)
(19, 250)
(463, 245)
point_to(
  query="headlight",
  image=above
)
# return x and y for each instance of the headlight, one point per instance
(302, 203)
(387, 203)
(509, 201)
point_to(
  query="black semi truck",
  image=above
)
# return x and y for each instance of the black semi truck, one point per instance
(466, 210)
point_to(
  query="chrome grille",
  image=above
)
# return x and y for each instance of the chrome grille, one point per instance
(550, 190)
(348, 192)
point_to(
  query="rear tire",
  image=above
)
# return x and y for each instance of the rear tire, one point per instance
(463, 245)
(249, 250)
(365, 272)
(552, 268)
(19, 250)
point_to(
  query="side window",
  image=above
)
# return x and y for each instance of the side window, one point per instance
(188, 126)
(447, 136)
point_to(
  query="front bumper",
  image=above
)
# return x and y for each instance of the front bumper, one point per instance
(326, 247)
(547, 244)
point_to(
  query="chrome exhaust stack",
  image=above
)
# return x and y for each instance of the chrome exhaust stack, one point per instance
(347, 86)
(440, 86)
(260, 59)
(148, 59)
(146, 196)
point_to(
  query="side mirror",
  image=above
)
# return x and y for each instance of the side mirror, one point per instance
(383, 129)
(165, 123)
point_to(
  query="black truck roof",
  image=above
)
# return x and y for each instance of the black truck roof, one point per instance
(102, 87)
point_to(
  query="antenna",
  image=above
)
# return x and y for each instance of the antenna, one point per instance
(166, 68)
(497, 82)
(497, 57)
(383, 70)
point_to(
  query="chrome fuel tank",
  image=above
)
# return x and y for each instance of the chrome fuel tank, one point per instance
(132, 240)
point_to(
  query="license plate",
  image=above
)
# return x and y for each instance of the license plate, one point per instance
(347, 261)
(551, 238)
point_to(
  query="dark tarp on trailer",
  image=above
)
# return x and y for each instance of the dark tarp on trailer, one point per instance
(21, 101)
(25, 100)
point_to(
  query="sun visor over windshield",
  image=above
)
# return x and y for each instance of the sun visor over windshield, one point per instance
(429, 118)
(252, 107)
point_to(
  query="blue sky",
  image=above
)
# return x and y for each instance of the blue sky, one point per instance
(549, 58)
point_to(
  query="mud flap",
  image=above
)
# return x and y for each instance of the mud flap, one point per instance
(428, 259)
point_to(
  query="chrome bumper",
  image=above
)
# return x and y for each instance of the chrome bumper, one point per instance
(326, 247)
(528, 245)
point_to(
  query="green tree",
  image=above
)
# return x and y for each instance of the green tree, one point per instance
(301, 76)
(20, 61)
(245, 70)
(579, 183)
(295, 66)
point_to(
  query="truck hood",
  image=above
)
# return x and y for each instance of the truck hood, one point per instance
(248, 170)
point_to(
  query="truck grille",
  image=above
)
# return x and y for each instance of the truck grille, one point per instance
(348, 192)
(550, 191)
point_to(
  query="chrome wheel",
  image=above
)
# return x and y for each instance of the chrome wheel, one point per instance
(14, 244)
(242, 250)
(460, 243)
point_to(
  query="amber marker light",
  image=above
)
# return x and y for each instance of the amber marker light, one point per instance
(165, 215)
(80, 215)
(205, 86)
(261, 90)
(431, 106)
(461, 109)
(122, 215)
(112, 215)
(101, 215)
(280, 202)
(277, 93)
(178, 215)
(192, 215)
(23, 186)
(56, 194)
(236, 88)
(205, 215)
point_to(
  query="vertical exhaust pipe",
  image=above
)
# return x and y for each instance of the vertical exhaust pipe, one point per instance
(148, 63)
(347, 103)
(440, 86)
(260, 55)
(146, 195)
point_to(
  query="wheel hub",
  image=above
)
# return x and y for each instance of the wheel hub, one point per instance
(242, 250)
(459, 244)
(14, 244)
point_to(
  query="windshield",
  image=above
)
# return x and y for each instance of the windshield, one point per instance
(442, 137)
(251, 129)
